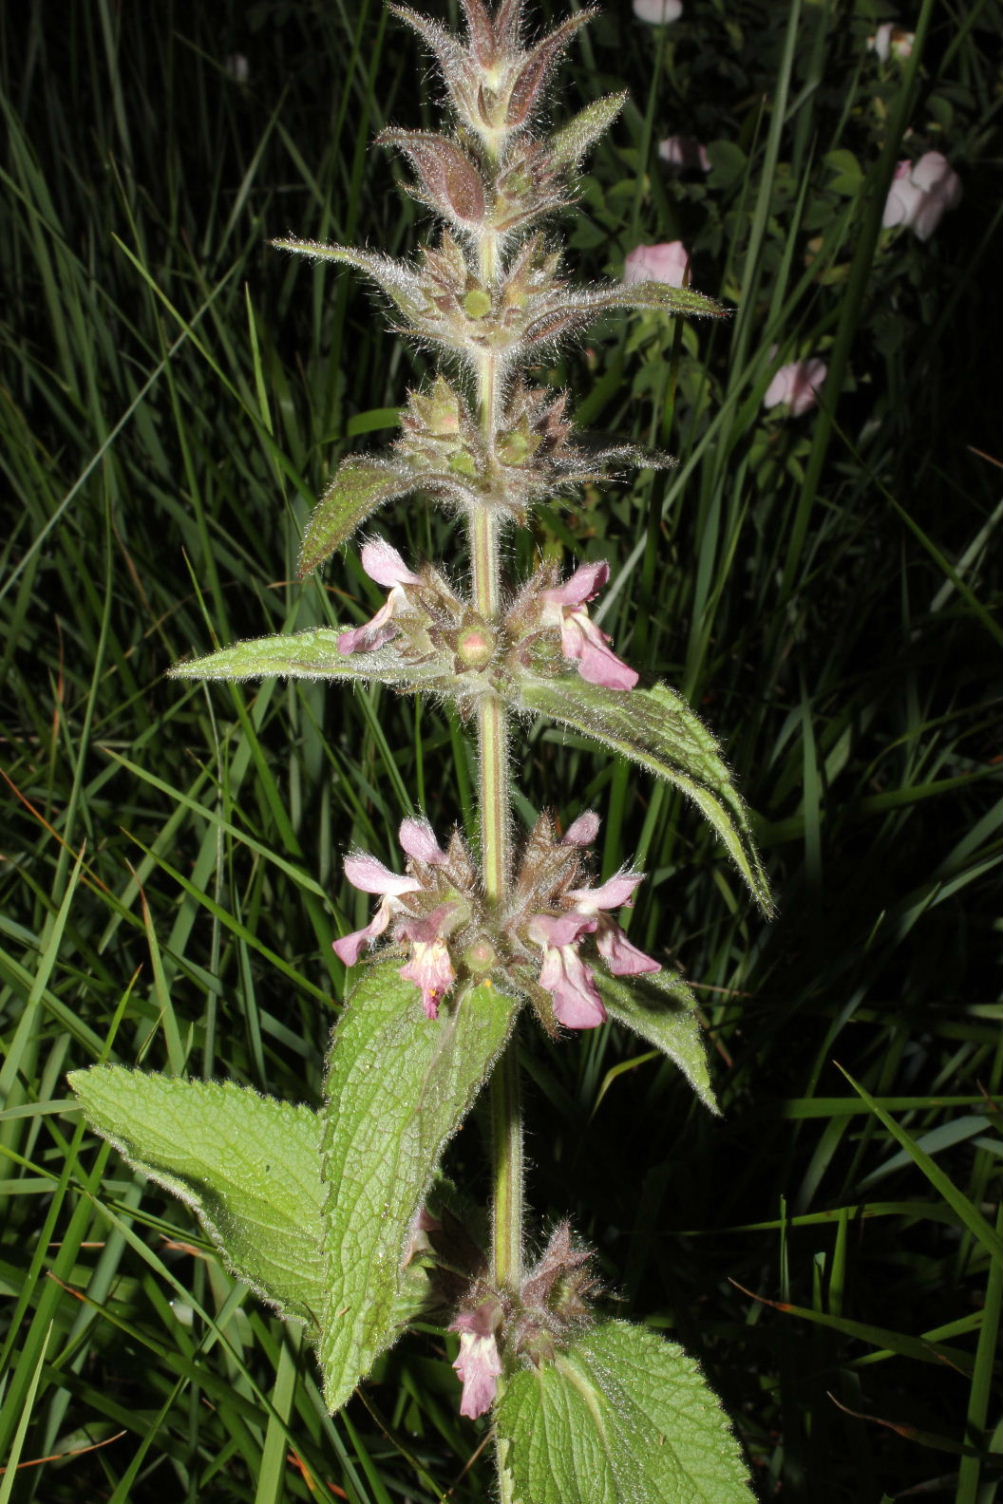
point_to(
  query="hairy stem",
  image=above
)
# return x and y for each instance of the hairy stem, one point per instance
(494, 801)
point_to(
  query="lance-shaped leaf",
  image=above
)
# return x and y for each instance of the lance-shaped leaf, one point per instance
(358, 487)
(398, 1087)
(569, 145)
(249, 1167)
(398, 280)
(657, 729)
(450, 178)
(660, 1007)
(314, 654)
(578, 309)
(620, 1417)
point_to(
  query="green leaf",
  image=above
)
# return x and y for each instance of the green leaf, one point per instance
(314, 655)
(656, 728)
(358, 487)
(569, 145)
(398, 1087)
(661, 1008)
(398, 280)
(621, 1417)
(248, 1165)
(685, 301)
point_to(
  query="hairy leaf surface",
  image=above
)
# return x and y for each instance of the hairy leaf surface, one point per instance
(248, 1165)
(657, 729)
(398, 1087)
(314, 654)
(661, 1008)
(358, 487)
(621, 1417)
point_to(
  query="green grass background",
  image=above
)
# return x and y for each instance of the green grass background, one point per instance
(173, 395)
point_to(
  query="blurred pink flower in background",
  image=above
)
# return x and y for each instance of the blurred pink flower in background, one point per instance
(668, 262)
(921, 193)
(891, 41)
(658, 12)
(684, 152)
(797, 385)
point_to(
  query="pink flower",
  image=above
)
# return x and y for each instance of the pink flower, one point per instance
(921, 193)
(797, 385)
(430, 967)
(684, 152)
(422, 906)
(384, 565)
(891, 41)
(581, 639)
(369, 875)
(658, 12)
(479, 1363)
(622, 958)
(668, 262)
(563, 974)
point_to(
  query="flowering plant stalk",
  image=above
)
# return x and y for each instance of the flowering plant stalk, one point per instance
(342, 1219)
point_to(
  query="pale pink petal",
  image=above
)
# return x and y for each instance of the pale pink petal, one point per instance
(668, 262)
(582, 586)
(430, 969)
(559, 929)
(384, 564)
(569, 981)
(350, 947)
(586, 643)
(433, 926)
(418, 840)
(479, 1366)
(658, 12)
(881, 41)
(373, 634)
(369, 875)
(797, 385)
(612, 895)
(622, 958)
(583, 831)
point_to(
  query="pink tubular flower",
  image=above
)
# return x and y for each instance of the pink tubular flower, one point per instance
(668, 262)
(581, 639)
(384, 565)
(430, 967)
(686, 153)
(921, 193)
(658, 12)
(369, 875)
(423, 907)
(622, 958)
(479, 1363)
(798, 385)
(563, 974)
